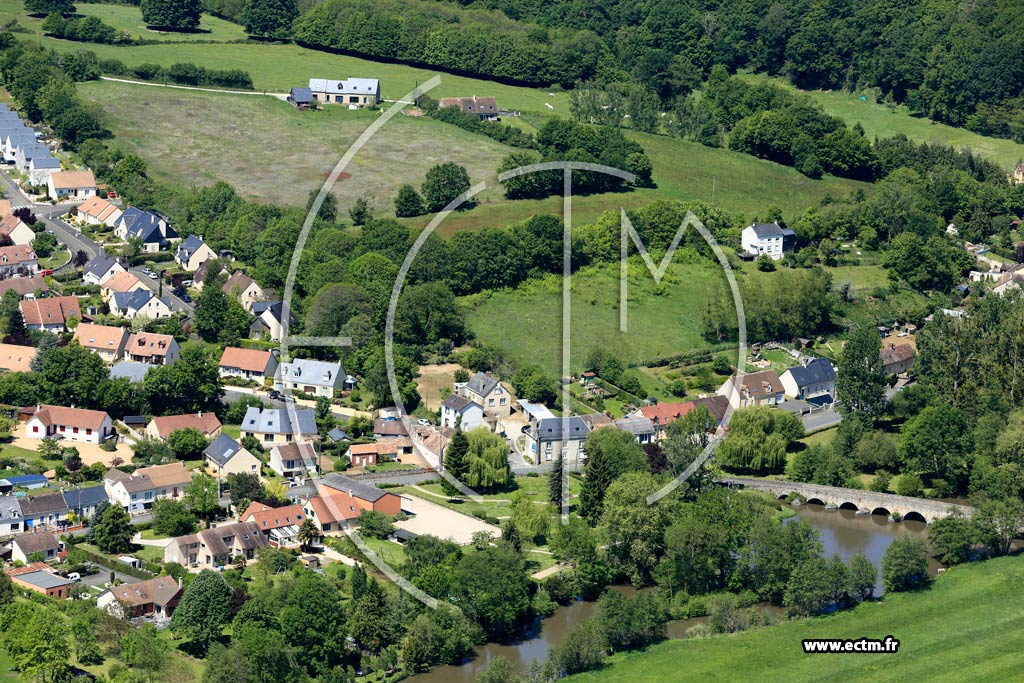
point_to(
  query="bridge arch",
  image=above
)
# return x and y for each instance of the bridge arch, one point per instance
(848, 506)
(815, 501)
(881, 511)
(914, 516)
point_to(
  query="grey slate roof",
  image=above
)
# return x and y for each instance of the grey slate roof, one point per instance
(635, 424)
(481, 383)
(145, 225)
(222, 449)
(553, 428)
(457, 403)
(45, 162)
(47, 503)
(10, 508)
(36, 542)
(133, 370)
(358, 488)
(188, 246)
(767, 230)
(315, 373)
(302, 95)
(276, 309)
(99, 265)
(88, 497)
(818, 371)
(44, 579)
(337, 435)
(277, 421)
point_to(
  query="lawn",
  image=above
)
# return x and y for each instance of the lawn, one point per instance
(234, 431)
(279, 67)
(966, 627)
(879, 120)
(270, 151)
(662, 319)
(128, 19)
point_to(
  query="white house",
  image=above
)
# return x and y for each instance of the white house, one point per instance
(245, 288)
(137, 491)
(50, 314)
(71, 424)
(41, 167)
(757, 389)
(16, 230)
(767, 238)
(73, 185)
(554, 436)
(489, 393)
(455, 406)
(101, 269)
(139, 303)
(294, 460)
(98, 211)
(315, 377)
(269, 320)
(192, 252)
(26, 151)
(354, 92)
(152, 348)
(251, 364)
(105, 341)
(152, 229)
(814, 382)
(18, 260)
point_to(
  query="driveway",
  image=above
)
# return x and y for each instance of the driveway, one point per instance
(91, 453)
(822, 419)
(104, 576)
(437, 520)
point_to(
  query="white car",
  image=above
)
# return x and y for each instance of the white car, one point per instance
(423, 423)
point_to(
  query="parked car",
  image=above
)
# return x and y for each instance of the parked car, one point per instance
(423, 423)
(74, 576)
(275, 394)
(186, 298)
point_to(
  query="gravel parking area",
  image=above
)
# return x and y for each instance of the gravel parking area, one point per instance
(437, 520)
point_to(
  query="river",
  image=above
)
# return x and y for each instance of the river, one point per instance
(843, 533)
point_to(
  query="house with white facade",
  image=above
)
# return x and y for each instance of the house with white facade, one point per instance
(71, 185)
(489, 393)
(150, 228)
(101, 269)
(316, 377)
(105, 341)
(814, 382)
(294, 460)
(275, 426)
(353, 92)
(18, 261)
(98, 211)
(767, 238)
(140, 303)
(70, 424)
(762, 388)
(16, 230)
(152, 348)
(137, 491)
(192, 252)
(455, 407)
(250, 364)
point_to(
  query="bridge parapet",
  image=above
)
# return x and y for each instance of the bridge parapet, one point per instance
(855, 499)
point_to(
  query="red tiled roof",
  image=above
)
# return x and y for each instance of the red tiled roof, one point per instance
(267, 517)
(664, 413)
(250, 360)
(207, 423)
(51, 311)
(72, 417)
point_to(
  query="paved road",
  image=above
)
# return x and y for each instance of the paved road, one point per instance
(51, 216)
(821, 419)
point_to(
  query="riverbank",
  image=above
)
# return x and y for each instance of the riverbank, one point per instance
(969, 626)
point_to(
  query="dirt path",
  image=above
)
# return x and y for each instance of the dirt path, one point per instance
(262, 93)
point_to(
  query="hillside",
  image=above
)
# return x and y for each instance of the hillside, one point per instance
(967, 627)
(880, 120)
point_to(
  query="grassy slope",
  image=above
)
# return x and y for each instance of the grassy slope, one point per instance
(878, 119)
(968, 627)
(270, 151)
(527, 322)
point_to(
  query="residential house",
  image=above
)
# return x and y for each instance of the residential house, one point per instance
(274, 425)
(47, 510)
(814, 382)
(193, 252)
(132, 371)
(225, 456)
(301, 97)
(140, 303)
(120, 282)
(488, 392)
(15, 137)
(18, 260)
(294, 460)
(82, 502)
(41, 167)
(26, 481)
(534, 412)
(767, 238)
(355, 92)
(31, 287)
(152, 348)
(25, 152)
(389, 427)
(369, 454)
(98, 211)
(1008, 282)
(50, 314)
(269, 320)
(315, 377)
(105, 341)
(15, 358)
(151, 229)
(761, 388)
(251, 364)
(38, 543)
(70, 424)
(156, 598)
(455, 407)
(41, 578)
(661, 415)
(11, 519)
(484, 107)
(332, 512)
(16, 230)
(71, 185)
(215, 548)
(101, 269)
(137, 491)
(280, 526)
(367, 496)
(205, 423)
(897, 359)
(718, 406)
(639, 426)
(565, 436)
(245, 289)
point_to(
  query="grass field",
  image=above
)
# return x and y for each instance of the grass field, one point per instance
(879, 120)
(128, 18)
(270, 151)
(968, 627)
(664, 319)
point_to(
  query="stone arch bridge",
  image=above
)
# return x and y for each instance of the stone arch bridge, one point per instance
(864, 502)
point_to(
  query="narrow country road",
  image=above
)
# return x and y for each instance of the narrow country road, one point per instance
(262, 93)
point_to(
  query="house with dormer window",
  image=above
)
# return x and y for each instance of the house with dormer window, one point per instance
(489, 393)
(315, 377)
